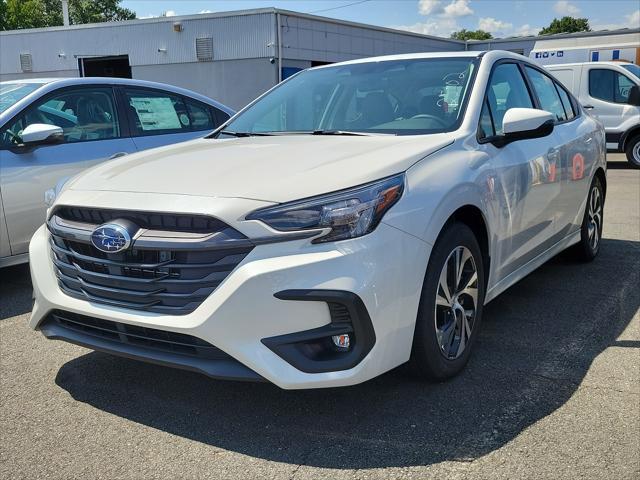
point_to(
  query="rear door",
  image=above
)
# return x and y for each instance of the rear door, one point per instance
(5, 249)
(159, 117)
(92, 133)
(577, 148)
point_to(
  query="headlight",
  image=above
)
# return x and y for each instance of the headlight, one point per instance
(348, 213)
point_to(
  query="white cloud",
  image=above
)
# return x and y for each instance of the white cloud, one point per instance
(526, 30)
(442, 27)
(632, 20)
(204, 11)
(169, 13)
(489, 24)
(427, 7)
(564, 7)
(458, 8)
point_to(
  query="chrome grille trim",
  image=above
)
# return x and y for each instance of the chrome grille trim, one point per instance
(163, 272)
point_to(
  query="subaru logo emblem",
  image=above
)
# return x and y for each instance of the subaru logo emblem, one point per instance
(111, 238)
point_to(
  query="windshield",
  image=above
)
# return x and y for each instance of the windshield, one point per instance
(635, 69)
(11, 93)
(401, 97)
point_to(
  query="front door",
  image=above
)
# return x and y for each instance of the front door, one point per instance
(524, 183)
(89, 119)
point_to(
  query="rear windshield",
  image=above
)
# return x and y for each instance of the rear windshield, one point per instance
(11, 93)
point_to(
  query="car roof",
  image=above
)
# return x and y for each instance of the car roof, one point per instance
(50, 84)
(406, 56)
(578, 64)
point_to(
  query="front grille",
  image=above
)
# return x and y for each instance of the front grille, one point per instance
(150, 338)
(164, 272)
(170, 222)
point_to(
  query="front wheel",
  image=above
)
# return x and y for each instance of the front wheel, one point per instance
(450, 307)
(632, 151)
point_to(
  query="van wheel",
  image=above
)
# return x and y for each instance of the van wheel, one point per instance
(450, 307)
(632, 150)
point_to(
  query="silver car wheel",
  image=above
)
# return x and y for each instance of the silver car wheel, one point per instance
(635, 153)
(594, 225)
(456, 302)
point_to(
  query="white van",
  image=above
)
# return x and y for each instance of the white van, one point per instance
(611, 92)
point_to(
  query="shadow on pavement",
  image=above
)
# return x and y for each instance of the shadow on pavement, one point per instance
(537, 343)
(15, 299)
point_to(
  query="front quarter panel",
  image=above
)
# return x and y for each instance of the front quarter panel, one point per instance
(440, 184)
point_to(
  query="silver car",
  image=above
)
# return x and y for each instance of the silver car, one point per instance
(53, 128)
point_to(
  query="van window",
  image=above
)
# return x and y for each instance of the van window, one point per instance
(609, 85)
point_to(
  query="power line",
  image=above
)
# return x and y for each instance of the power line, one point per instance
(341, 6)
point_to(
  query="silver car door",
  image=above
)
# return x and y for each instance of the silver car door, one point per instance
(578, 153)
(159, 117)
(91, 128)
(5, 248)
(523, 183)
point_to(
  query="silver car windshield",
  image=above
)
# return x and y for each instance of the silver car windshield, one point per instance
(401, 97)
(11, 93)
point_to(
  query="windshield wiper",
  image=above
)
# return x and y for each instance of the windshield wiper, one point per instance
(348, 133)
(244, 134)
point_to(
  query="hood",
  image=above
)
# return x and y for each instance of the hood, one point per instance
(274, 169)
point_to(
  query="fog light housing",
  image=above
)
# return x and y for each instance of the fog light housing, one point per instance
(343, 342)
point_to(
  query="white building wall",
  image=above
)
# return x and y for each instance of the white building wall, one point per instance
(232, 82)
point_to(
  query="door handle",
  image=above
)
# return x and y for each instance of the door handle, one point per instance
(117, 155)
(588, 107)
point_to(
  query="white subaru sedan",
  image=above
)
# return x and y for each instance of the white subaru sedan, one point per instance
(355, 218)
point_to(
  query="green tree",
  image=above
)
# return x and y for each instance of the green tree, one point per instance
(566, 25)
(17, 14)
(465, 34)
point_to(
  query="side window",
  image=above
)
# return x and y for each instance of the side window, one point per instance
(547, 93)
(219, 116)
(486, 123)
(507, 89)
(200, 115)
(154, 112)
(609, 85)
(601, 84)
(622, 87)
(84, 114)
(566, 102)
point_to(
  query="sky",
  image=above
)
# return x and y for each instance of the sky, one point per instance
(433, 17)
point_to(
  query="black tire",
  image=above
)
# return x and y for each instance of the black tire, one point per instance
(428, 358)
(586, 250)
(632, 151)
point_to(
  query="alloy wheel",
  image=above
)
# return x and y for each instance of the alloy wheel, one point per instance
(635, 153)
(456, 302)
(594, 222)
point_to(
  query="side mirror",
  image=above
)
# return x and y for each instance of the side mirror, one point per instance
(634, 96)
(524, 124)
(41, 134)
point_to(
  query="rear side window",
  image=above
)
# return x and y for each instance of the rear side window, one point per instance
(547, 94)
(200, 115)
(507, 89)
(220, 116)
(609, 85)
(566, 102)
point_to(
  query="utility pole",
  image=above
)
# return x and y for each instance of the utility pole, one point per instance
(65, 12)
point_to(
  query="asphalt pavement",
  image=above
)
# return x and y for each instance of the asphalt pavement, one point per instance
(552, 391)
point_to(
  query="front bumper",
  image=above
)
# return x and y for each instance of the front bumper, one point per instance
(383, 269)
